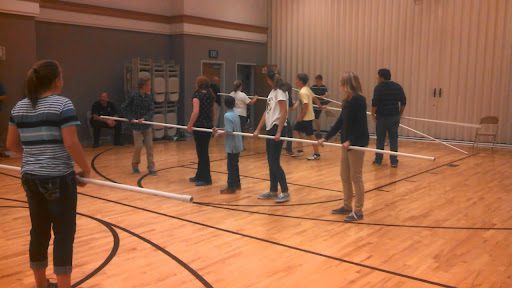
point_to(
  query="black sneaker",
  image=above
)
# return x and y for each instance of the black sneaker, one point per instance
(203, 183)
(354, 216)
(394, 165)
(342, 211)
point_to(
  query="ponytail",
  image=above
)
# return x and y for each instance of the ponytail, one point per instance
(237, 85)
(40, 79)
(277, 81)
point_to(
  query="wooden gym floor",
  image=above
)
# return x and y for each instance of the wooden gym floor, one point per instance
(445, 223)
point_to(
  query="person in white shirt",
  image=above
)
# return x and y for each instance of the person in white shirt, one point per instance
(274, 120)
(241, 102)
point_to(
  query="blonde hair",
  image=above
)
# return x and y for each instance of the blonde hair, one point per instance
(352, 82)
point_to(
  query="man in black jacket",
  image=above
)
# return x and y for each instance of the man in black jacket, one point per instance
(388, 104)
(103, 107)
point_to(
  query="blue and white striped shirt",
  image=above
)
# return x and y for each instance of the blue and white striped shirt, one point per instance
(41, 137)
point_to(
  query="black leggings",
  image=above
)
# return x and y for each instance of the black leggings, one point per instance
(276, 172)
(52, 202)
(202, 140)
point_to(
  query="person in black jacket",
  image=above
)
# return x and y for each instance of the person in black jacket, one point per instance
(388, 104)
(353, 126)
(104, 107)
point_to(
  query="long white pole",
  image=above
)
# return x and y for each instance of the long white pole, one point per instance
(179, 197)
(432, 138)
(404, 117)
(401, 125)
(282, 138)
(443, 122)
(318, 96)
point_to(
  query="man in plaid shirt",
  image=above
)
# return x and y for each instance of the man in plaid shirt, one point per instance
(140, 107)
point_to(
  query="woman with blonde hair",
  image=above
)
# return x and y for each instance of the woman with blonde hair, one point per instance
(353, 127)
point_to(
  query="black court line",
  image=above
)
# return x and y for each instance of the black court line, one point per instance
(9, 175)
(115, 248)
(93, 165)
(111, 255)
(308, 186)
(273, 242)
(360, 223)
(139, 181)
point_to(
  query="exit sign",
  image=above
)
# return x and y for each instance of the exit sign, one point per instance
(213, 54)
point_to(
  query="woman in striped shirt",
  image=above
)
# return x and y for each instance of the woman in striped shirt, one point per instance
(43, 128)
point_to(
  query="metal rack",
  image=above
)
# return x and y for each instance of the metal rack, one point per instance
(165, 87)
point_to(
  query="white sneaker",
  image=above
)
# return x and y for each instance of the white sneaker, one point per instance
(314, 157)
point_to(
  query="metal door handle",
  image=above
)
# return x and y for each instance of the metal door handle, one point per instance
(440, 92)
(435, 92)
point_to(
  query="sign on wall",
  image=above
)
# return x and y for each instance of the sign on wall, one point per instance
(213, 54)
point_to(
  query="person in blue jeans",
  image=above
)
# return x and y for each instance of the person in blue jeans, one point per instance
(274, 120)
(42, 127)
(233, 145)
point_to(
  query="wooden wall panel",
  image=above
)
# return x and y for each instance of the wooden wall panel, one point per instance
(461, 46)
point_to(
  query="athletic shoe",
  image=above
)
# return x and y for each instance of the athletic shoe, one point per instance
(192, 179)
(228, 190)
(314, 157)
(342, 211)
(203, 183)
(377, 163)
(283, 197)
(394, 165)
(354, 216)
(268, 196)
(152, 173)
(135, 170)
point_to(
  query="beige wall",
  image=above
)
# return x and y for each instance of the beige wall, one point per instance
(461, 46)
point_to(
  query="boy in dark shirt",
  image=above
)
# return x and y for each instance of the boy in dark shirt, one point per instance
(320, 90)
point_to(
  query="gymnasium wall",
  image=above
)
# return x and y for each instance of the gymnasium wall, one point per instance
(17, 35)
(93, 59)
(463, 47)
(195, 49)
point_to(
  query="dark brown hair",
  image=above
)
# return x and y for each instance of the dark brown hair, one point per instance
(237, 85)
(41, 78)
(277, 81)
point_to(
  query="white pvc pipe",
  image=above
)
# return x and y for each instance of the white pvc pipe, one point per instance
(429, 137)
(318, 96)
(179, 197)
(432, 138)
(284, 139)
(443, 122)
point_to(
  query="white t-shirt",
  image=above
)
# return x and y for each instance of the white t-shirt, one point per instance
(241, 101)
(273, 113)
